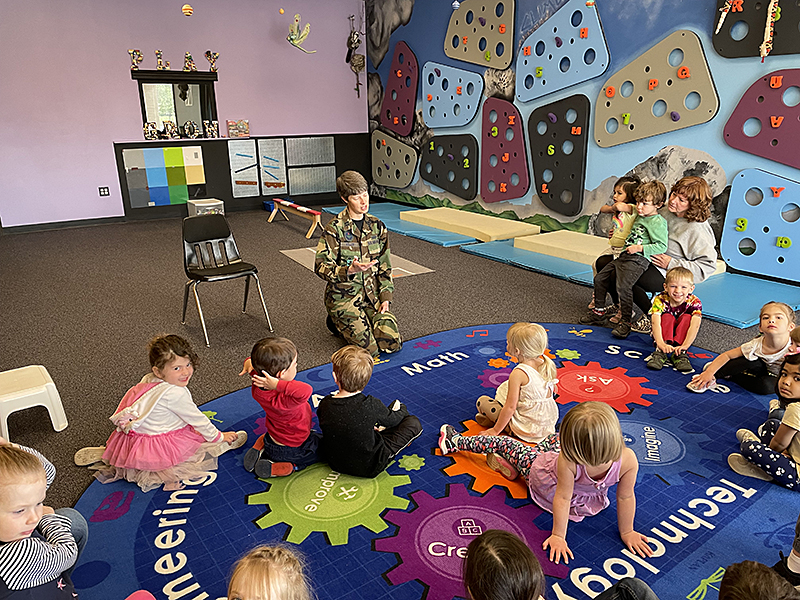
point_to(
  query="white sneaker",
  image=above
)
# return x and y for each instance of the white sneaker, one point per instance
(742, 466)
(745, 435)
(693, 387)
(774, 404)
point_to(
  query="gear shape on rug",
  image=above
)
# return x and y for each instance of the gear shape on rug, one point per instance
(411, 462)
(320, 499)
(492, 378)
(431, 540)
(482, 478)
(591, 382)
(663, 446)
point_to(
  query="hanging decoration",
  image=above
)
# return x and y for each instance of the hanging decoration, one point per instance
(773, 13)
(358, 62)
(187, 10)
(297, 37)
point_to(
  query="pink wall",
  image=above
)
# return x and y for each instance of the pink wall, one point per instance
(67, 94)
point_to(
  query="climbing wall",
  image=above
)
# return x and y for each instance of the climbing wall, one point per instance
(766, 122)
(450, 97)
(761, 225)
(567, 49)
(451, 162)
(397, 110)
(504, 164)
(667, 88)
(558, 134)
(482, 33)
(739, 30)
(393, 162)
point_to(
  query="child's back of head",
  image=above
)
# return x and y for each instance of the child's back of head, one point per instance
(591, 434)
(499, 566)
(273, 354)
(651, 191)
(530, 340)
(164, 348)
(750, 580)
(269, 573)
(352, 367)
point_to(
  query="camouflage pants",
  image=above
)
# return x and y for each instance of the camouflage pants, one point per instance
(362, 325)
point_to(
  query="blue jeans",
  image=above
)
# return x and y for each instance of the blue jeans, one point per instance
(629, 588)
(80, 531)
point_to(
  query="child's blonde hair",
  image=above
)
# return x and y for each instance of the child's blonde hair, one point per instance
(18, 466)
(269, 573)
(652, 191)
(679, 274)
(784, 308)
(591, 434)
(530, 339)
(352, 366)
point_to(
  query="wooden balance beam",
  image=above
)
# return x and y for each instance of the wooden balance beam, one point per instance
(296, 209)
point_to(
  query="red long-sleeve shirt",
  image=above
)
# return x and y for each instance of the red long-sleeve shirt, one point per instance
(287, 410)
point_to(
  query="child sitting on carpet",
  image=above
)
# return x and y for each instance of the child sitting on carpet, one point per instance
(499, 566)
(360, 435)
(524, 403)
(38, 546)
(569, 478)
(675, 316)
(289, 443)
(161, 436)
(775, 451)
(269, 573)
(755, 364)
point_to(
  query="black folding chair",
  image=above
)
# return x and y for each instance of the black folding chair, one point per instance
(210, 254)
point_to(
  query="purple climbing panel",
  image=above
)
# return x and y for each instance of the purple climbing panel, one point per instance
(766, 122)
(399, 99)
(504, 165)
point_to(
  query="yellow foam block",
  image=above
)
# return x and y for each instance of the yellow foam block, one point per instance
(483, 227)
(569, 245)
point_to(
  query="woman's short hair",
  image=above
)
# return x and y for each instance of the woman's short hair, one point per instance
(698, 193)
(591, 434)
(352, 366)
(499, 566)
(350, 183)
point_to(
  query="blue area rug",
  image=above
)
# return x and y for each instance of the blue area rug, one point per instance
(401, 536)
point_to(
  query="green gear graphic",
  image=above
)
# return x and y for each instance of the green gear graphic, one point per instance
(320, 499)
(411, 462)
(566, 353)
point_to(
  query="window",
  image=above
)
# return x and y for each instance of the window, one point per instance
(180, 97)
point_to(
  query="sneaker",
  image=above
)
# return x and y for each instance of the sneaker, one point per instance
(447, 435)
(250, 459)
(622, 330)
(742, 466)
(681, 362)
(782, 569)
(694, 387)
(592, 317)
(222, 447)
(643, 325)
(616, 318)
(502, 466)
(774, 404)
(745, 435)
(88, 456)
(265, 469)
(657, 360)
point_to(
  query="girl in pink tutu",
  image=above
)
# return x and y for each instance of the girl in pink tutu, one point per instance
(161, 436)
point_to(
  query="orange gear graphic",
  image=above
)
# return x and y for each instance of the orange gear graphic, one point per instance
(498, 363)
(592, 382)
(474, 465)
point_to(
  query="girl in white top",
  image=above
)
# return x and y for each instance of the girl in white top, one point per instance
(524, 404)
(755, 365)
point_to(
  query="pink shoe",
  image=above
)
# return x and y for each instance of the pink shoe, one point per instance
(502, 466)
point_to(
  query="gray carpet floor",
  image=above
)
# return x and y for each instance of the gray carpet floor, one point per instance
(84, 302)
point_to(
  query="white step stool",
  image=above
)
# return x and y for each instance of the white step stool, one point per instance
(27, 387)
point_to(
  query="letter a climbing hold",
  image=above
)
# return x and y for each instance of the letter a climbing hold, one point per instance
(399, 99)
(446, 108)
(576, 59)
(499, 135)
(758, 104)
(751, 21)
(474, 33)
(451, 162)
(678, 101)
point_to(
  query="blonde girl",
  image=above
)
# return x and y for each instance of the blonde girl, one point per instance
(269, 573)
(524, 404)
(570, 477)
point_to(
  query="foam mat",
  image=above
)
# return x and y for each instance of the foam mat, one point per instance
(736, 299)
(483, 227)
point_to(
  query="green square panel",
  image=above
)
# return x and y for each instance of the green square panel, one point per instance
(173, 157)
(178, 194)
(176, 176)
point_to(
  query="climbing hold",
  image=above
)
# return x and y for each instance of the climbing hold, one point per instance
(675, 116)
(559, 42)
(483, 21)
(438, 72)
(552, 117)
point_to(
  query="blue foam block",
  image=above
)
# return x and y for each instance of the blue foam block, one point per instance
(718, 293)
(504, 251)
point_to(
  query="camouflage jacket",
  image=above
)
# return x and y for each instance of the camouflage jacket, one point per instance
(337, 248)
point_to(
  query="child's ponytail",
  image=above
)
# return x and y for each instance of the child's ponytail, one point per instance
(548, 368)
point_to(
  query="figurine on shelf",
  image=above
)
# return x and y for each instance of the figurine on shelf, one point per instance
(212, 57)
(188, 63)
(297, 37)
(211, 129)
(171, 130)
(136, 58)
(150, 130)
(161, 64)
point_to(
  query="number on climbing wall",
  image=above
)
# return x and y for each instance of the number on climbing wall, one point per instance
(494, 131)
(783, 242)
(741, 224)
(466, 163)
(431, 146)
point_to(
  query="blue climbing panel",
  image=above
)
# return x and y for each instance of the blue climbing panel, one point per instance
(450, 97)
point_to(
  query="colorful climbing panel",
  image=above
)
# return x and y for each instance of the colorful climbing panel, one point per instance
(451, 162)
(393, 162)
(667, 88)
(761, 225)
(450, 97)
(766, 122)
(566, 49)
(741, 25)
(482, 33)
(504, 165)
(558, 135)
(399, 99)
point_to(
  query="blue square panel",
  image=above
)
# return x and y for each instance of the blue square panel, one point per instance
(159, 196)
(157, 177)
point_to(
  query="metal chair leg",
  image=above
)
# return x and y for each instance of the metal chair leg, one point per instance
(263, 304)
(185, 301)
(200, 312)
(246, 291)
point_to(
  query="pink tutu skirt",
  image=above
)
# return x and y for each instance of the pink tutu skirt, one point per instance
(153, 460)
